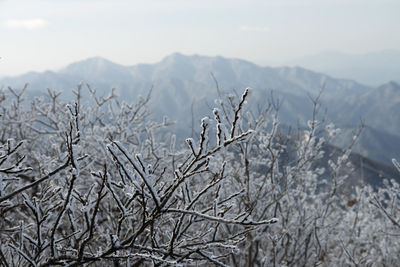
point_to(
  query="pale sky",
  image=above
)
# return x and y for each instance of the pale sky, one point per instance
(38, 35)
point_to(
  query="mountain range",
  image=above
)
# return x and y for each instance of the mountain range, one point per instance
(185, 85)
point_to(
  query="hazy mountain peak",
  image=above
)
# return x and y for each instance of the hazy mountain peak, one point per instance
(298, 71)
(93, 63)
(392, 86)
(177, 58)
(97, 70)
(390, 89)
(98, 59)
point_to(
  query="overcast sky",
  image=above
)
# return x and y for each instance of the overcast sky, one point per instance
(49, 34)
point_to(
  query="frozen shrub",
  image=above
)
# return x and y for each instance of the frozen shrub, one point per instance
(92, 182)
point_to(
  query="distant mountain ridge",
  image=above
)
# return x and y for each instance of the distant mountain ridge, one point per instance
(182, 84)
(373, 68)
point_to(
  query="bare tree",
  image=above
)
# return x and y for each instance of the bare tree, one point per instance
(91, 182)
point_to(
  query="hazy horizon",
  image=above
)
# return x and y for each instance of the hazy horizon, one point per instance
(288, 62)
(47, 35)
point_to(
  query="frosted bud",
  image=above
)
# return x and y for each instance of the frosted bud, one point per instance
(189, 141)
(215, 111)
(273, 220)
